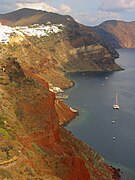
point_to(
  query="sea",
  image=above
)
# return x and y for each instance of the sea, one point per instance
(109, 132)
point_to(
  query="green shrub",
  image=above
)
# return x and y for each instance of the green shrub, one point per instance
(2, 121)
(4, 133)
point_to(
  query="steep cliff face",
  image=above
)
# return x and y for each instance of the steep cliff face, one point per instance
(51, 57)
(33, 145)
(65, 113)
(117, 34)
(77, 48)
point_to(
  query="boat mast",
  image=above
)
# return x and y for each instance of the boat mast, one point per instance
(116, 102)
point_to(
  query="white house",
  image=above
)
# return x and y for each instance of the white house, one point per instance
(35, 30)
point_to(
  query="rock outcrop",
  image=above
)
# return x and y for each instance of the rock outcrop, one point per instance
(117, 34)
(50, 58)
(77, 48)
(33, 145)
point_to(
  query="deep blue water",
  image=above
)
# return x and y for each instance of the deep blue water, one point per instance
(93, 94)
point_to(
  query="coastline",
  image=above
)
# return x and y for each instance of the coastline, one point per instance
(125, 172)
(65, 114)
(117, 171)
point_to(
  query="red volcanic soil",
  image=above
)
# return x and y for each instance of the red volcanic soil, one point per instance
(47, 146)
(77, 169)
(64, 113)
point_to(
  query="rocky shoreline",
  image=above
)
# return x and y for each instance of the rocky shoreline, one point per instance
(32, 125)
(117, 172)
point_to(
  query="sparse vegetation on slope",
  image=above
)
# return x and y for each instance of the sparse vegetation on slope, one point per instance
(41, 148)
(38, 147)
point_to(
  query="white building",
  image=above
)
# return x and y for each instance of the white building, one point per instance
(34, 30)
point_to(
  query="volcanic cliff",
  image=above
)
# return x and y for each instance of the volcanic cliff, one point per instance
(34, 144)
(117, 34)
(77, 48)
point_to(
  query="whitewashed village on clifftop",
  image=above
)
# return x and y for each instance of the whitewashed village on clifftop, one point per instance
(34, 30)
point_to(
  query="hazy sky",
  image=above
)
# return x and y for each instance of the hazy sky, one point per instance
(88, 12)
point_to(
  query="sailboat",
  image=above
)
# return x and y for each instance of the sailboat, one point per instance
(116, 106)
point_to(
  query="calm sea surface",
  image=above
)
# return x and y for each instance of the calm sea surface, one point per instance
(93, 94)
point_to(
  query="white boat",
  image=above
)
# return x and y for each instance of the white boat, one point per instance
(116, 106)
(113, 137)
